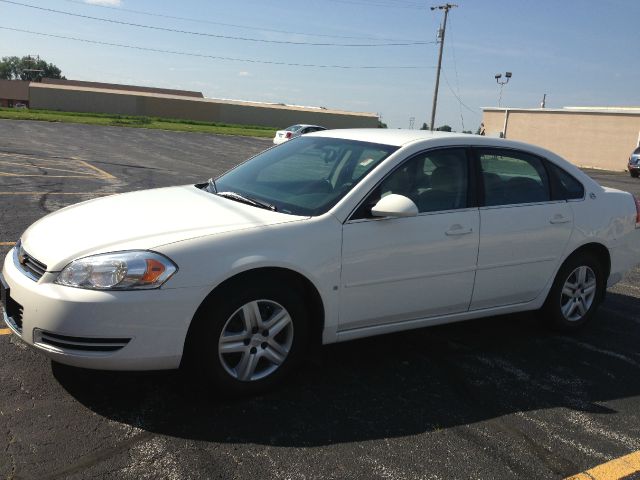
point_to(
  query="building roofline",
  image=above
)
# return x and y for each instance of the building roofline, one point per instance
(574, 110)
(196, 99)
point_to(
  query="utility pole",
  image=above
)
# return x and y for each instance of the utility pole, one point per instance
(446, 7)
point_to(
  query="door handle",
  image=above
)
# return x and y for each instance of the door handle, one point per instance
(458, 230)
(559, 219)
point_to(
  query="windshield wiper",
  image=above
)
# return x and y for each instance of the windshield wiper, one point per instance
(248, 200)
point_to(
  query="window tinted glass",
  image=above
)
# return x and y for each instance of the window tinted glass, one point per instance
(513, 177)
(570, 188)
(292, 128)
(435, 181)
(636, 151)
(306, 175)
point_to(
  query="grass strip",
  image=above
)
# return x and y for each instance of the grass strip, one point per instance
(137, 122)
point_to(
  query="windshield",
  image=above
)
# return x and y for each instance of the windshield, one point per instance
(293, 128)
(305, 176)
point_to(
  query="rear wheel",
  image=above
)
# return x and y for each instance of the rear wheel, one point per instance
(248, 338)
(576, 293)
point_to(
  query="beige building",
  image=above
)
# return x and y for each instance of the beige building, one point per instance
(118, 86)
(596, 137)
(13, 92)
(94, 97)
(72, 98)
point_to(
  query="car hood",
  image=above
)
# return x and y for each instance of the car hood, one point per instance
(139, 220)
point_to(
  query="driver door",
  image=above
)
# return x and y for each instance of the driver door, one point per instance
(401, 269)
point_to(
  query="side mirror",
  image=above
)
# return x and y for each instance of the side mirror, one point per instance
(394, 205)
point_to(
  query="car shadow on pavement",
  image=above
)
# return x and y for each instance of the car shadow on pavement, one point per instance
(391, 386)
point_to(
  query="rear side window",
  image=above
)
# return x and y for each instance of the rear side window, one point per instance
(513, 177)
(569, 188)
(636, 151)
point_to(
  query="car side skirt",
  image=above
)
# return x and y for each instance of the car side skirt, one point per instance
(346, 335)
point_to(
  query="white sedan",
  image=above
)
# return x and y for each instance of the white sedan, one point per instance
(333, 236)
(294, 131)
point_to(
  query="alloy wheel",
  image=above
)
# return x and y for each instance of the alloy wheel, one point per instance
(578, 293)
(255, 340)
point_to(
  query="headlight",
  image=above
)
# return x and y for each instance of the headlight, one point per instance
(118, 271)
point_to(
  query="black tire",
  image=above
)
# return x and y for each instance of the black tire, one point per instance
(204, 359)
(634, 174)
(552, 311)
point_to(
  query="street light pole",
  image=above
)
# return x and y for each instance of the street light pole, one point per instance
(441, 32)
(502, 83)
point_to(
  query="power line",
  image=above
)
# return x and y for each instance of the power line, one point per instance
(233, 25)
(475, 112)
(203, 34)
(216, 57)
(384, 5)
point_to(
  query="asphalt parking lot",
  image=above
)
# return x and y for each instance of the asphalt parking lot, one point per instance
(495, 398)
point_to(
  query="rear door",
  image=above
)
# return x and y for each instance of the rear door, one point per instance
(523, 230)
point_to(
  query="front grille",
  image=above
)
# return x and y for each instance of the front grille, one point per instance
(83, 344)
(28, 264)
(33, 266)
(17, 315)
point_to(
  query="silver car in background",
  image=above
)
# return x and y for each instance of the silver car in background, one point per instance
(634, 163)
(295, 131)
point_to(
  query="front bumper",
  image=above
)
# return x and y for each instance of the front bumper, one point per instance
(111, 330)
(633, 167)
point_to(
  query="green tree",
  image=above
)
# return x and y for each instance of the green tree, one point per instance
(27, 68)
(381, 124)
(441, 128)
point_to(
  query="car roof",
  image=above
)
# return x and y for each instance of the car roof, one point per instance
(386, 136)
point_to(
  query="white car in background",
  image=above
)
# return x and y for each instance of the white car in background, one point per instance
(338, 235)
(295, 131)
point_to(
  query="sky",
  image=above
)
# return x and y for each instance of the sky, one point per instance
(578, 52)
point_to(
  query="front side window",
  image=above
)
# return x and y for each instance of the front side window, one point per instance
(307, 175)
(512, 177)
(435, 181)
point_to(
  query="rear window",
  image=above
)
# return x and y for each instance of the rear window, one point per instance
(293, 128)
(511, 177)
(636, 151)
(570, 188)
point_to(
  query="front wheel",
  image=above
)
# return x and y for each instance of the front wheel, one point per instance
(575, 294)
(634, 173)
(248, 339)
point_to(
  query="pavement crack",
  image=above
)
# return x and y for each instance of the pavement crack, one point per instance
(14, 465)
(97, 457)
